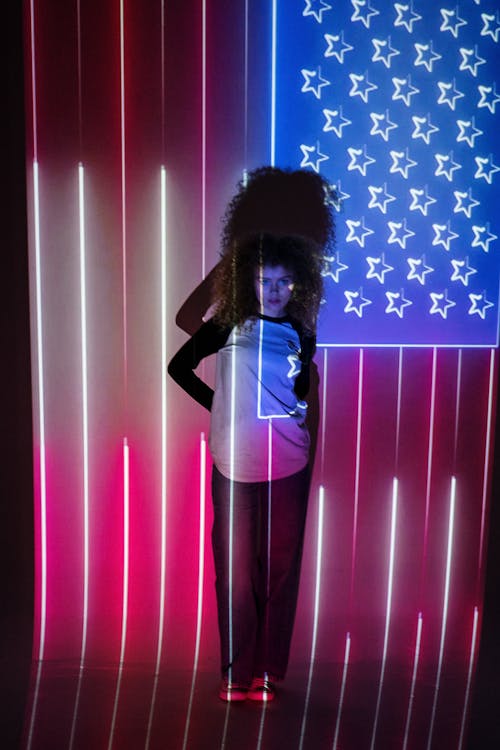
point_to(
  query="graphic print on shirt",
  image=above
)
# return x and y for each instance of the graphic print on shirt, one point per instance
(276, 367)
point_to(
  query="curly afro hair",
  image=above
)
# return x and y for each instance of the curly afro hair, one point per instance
(277, 217)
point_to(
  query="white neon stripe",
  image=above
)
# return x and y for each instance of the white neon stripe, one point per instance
(85, 424)
(457, 404)
(444, 621)
(261, 726)
(469, 677)
(231, 506)
(390, 579)
(123, 190)
(430, 449)
(41, 412)
(487, 448)
(259, 379)
(317, 591)
(398, 413)
(163, 499)
(357, 471)
(323, 410)
(416, 660)
(203, 135)
(273, 83)
(36, 693)
(201, 565)
(342, 690)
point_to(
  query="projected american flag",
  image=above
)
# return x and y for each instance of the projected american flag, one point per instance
(396, 104)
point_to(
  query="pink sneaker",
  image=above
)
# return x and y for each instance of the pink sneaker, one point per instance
(232, 692)
(261, 689)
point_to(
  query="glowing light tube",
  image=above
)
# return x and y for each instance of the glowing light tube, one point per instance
(416, 659)
(449, 550)
(274, 39)
(342, 690)
(390, 578)
(323, 409)
(201, 564)
(203, 135)
(317, 591)
(231, 506)
(472, 657)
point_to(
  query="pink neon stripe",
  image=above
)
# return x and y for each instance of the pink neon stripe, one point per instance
(342, 690)
(123, 193)
(203, 137)
(33, 81)
(323, 410)
(416, 660)
(487, 448)
(357, 473)
(472, 657)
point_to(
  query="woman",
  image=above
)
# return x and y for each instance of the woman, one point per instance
(267, 288)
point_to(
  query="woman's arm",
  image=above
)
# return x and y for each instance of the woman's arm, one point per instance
(207, 340)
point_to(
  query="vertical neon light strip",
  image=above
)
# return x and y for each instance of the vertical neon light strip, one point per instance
(201, 565)
(125, 586)
(85, 439)
(390, 579)
(342, 690)
(486, 466)
(124, 193)
(445, 606)
(323, 410)
(203, 136)
(357, 471)
(416, 660)
(429, 459)
(231, 505)
(273, 81)
(319, 556)
(472, 657)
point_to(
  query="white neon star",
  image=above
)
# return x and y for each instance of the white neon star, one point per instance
(418, 269)
(335, 121)
(401, 162)
(384, 51)
(443, 235)
(451, 21)
(421, 200)
(336, 46)
(378, 268)
(468, 131)
(449, 94)
(382, 124)
(488, 173)
(483, 237)
(397, 302)
(426, 56)
(465, 202)
(357, 231)
(316, 8)
(446, 165)
(440, 303)
(380, 197)
(489, 28)
(337, 196)
(399, 233)
(406, 16)
(489, 97)
(479, 304)
(356, 302)
(363, 11)
(361, 86)
(462, 271)
(334, 267)
(356, 163)
(309, 152)
(470, 60)
(404, 90)
(314, 81)
(423, 128)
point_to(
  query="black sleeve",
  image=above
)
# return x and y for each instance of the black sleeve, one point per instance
(307, 349)
(207, 340)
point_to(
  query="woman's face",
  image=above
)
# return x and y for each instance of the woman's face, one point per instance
(273, 288)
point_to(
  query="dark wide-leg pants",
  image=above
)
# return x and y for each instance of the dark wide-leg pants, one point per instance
(257, 540)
